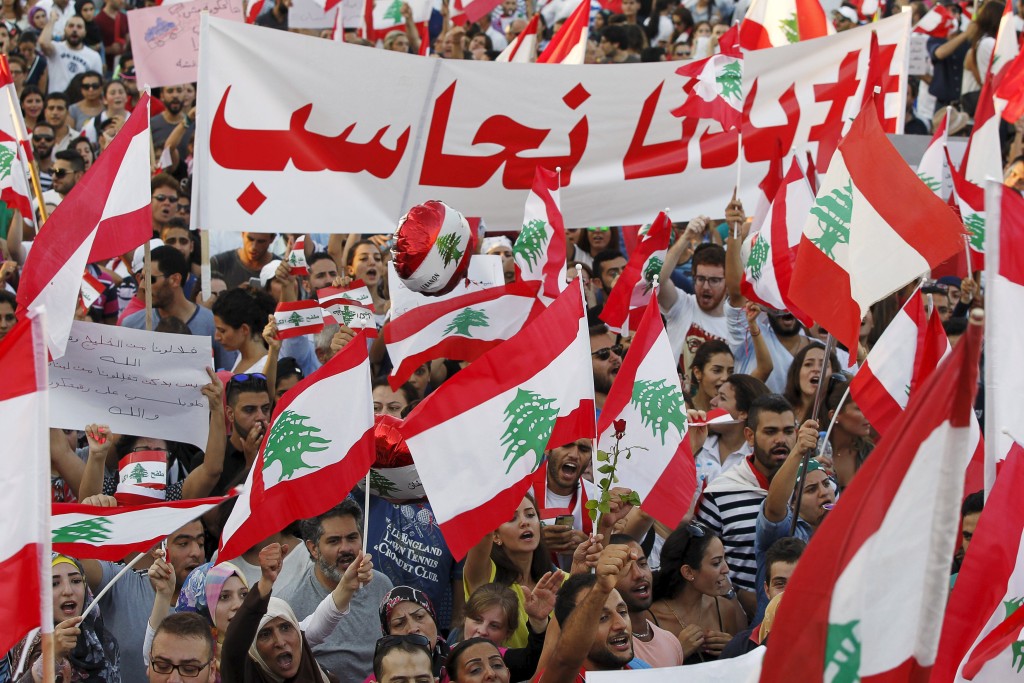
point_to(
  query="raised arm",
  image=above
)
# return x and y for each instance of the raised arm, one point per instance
(101, 443)
(201, 480)
(762, 356)
(776, 505)
(679, 252)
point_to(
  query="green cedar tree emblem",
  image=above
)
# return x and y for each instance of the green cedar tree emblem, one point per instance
(530, 419)
(295, 318)
(660, 404)
(1017, 648)
(652, 268)
(6, 161)
(381, 485)
(138, 473)
(730, 81)
(394, 12)
(758, 257)
(290, 437)
(834, 212)
(790, 29)
(448, 246)
(842, 653)
(529, 246)
(293, 259)
(347, 315)
(933, 184)
(467, 318)
(92, 530)
(975, 224)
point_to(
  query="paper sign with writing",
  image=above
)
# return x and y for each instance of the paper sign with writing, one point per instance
(307, 14)
(278, 143)
(165, 39)
(141, 383)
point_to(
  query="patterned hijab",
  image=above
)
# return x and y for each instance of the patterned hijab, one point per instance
(201, 591)
(400, 594)
(96, 658)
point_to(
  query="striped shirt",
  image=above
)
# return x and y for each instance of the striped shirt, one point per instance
(729, 507)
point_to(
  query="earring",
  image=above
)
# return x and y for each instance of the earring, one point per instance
(498, 542)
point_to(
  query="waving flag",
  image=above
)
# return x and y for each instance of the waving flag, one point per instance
(478, 438)
(862, 600)
(628, 299)
(569, 44)
(716, 91)
(873, 228)
(309, 459)
(938, 22)
(1011, 90)
(933, 170)
(523, 49)
(356, 293)
(296, 318)
(771, 23)
(970, 201)
(14, 157)
(983, 159)
(647, 402)
(539, 251)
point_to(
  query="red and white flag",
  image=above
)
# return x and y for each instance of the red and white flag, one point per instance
(628, 299)
(1007, 45)
(24, 546)
(646, 408)
(352, 316)
(861, 603)
(873, 228)
(14, 157)
(970, 202)
(253, 11)
(773, 249)
(771, 23)
(933, 169)
(100, 533)
(141, 478)
(356, 293)
(523, 49)
(106, 214)
(1010, 90)
(309, 459)
(938, 22)
(569, 44)
(983, 158)
(462, 328)
(1004, 329)
(297, 256)
(296, 318)
(716, 89)
(981, 634)
(477, 439)
(381, 17)
(92, 290)
(539, 251)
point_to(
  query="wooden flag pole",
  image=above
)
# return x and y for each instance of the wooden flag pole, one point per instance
(819, 399)
(147, 278)
(33, 169)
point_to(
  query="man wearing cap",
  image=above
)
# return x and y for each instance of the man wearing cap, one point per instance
(240, 265)
(775, 517)
(844, 18)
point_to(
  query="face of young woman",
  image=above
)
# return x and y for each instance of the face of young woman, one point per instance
(522, 532)
(492, 624)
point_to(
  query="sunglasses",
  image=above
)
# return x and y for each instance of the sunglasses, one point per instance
(693, 530)
(42, 138)
(388, 642)
(90, 86)
(606, 352)
(254, 378)
(61, 172)
(165, 197)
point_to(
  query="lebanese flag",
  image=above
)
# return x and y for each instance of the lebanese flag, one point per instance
(988, 592)
(862, 601)
(1010, 90)
(1004, 330)
(24, 546)
(908, 350)
(297, 256)
(539, 251)
(983, 158)
(938, 22)
(142, 478)
(385, 16)
(309, 459)
(356, 293)
(462, 328)
(296, 318)
(523, 49)
(468, 11)
(769, 269)
(970, 201)
(569, 44)
(352, 316)
(873, 228)
(91, 532)
(254, 10)
(478, 438)
(106, 214)
(646, 396)
(14, 157)
(771, 23)
(715, 90)
(629, 297)
(1007, 45)
(932, 169)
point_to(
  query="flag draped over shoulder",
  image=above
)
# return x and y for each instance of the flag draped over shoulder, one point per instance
(479, 437)
(862, 604)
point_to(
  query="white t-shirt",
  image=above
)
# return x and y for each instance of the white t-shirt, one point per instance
(66, 63)
(709, 460)
(688, 326)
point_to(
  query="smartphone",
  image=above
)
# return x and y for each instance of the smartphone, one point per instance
(565, 520)
(254, 282)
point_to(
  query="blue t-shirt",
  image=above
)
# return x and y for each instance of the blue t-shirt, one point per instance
(765, 535)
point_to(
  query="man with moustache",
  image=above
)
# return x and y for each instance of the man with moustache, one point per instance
(606, 359)
(69, 57)
(161, 125)
(730, 504)
(333, 540)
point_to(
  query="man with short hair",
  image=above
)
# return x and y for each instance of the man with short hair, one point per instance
(164, 191)
(240, 265)
(43, 139)
(614, 45)
(608, 265)
(170, 271)
(402, 661)
(68, 167)
(970, 511)
(175, 233)
(277, 17)
(692, 319)
(333, 540)
(605, 359)
(55, 113)
(161, 125)
(653, 644)
(249, 407)
(730, 503)
(322, 271)
(182, 650)
(65, 59)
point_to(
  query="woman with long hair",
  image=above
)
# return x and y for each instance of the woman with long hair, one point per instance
(711, 366)
(805, 374)
(31, 106)
(239, 316)
(981, 53)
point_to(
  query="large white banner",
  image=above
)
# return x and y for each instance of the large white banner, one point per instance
(351, 148)
(139, 383)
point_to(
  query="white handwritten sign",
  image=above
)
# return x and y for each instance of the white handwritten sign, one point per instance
(165, 39)
(308, 14)
(141, 383)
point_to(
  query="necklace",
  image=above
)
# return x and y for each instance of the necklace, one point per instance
(646, 634)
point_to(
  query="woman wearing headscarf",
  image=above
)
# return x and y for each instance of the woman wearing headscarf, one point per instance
(85, 651)
(405, 611)
(265, 643)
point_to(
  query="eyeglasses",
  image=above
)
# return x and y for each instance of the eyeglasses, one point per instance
(164, 667)
(90, 86)
(165, 197)
(184, 208)
(42, 138)
(606, 352)
(713, 281)
(387, 642)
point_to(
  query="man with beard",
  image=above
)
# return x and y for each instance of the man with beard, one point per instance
(333, 540)
(782, 333)
(606, 359)
(240, 265)
(653, 644)
(730, 504)
(248, 410)
(561, 492)
(55, 112)
(161, 125)
(170, 271)
(69, 57)
(42, 149)
(692, 319)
